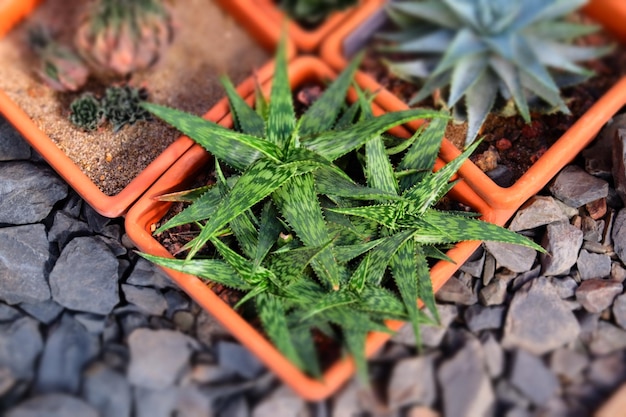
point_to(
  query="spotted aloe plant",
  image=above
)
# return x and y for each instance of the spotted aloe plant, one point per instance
(519, 49)
(287, 227)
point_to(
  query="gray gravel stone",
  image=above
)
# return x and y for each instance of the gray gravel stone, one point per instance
(568, 363)
(431, 335)
(565, 286)
(530, 375)
(618, 169)
(480, 318)
(618, 234)
(474, 265)
(575, 187)
(8, 313)
(44, 311)
(53, 405)
(157, 357)
(412, 382)
(607, 338)
(65, 227)
(234, 357)
(77, 285)
(608, 371)
(20, 346)
(454, 291)
(562, 241)
(618, 273)
(619, 310)
(24, 256)
(68, 349)
(538, 320)
(148, 300)
(281, 402)
(539, 211)
(155, 403)
(34, 189)
(593, 265)
(12, 144)
(515, 258)
(92, 322)
(597, 294)
(494, 293)
(464, 383)
(494, 355)
(146, 274)
(107, 391)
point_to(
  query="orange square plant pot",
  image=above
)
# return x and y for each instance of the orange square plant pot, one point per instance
(354, 32)
(11, 12)
(148, 212)
(261, 16)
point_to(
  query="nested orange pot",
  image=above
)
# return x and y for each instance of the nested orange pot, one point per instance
(261, 16)
(354, 33)
(11, 12)
(147, 213)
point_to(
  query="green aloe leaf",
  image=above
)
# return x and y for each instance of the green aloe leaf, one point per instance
(273, 318)
(479, 101)
(236, 149)
(322, 114)
(334, 144)
(327, 182)
(383, 253)
(269, 230)
(246, 119)
(258, 182)
(384, 214)
(281, 117)
(298, 203)
(331, 300)
(424, 284)
(211, 269)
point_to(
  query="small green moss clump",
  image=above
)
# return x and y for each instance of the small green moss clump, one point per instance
(122, 106)
(87, 112)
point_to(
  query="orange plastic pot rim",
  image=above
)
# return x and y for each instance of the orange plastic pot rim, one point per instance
(106, 205)
(147, 212)
(611, 13)
(267, 16)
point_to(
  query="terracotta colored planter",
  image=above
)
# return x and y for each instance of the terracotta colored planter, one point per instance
(148, 212)
(115, 205)
(612, 13)
(12, 11)
(263, 16)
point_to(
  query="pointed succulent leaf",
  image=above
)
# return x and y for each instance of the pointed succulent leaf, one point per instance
(259, 181)
(349, 252)
(334, 144)
(269, 229)
(384, 214)
(424, 284)
(510, 76)
(298, 203)
(465, 43)
(379, 171)
(465, 74)
(433, 11)
(210, 269)
(281, 117)
(246, 119)
(333, 299)
(562, 31)
(383, 253)
(236, 149)
(381, 301)
(323, 113)
(186, 196)
(435, 41)
(202, 209)
(272, 316)
(327, 182)
(479, 100)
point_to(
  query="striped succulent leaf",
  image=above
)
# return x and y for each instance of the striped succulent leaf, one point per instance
(281, 120)
(245, 118)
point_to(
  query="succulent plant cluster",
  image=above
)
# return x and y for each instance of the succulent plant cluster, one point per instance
(59, 66)
(124, 36)
(312, 12)
(121, 106)
(521, 50)
(311, 247)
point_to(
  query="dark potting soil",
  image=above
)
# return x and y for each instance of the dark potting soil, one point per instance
(510, 141)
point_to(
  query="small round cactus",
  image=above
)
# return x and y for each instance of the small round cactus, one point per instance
(86, 112)
(59, 67)
(124, 36)
(121, 106)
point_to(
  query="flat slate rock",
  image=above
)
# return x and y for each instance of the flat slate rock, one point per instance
(465, 384)
(539, 211)
(21, 344)
(148, 300)
(412, 382)
(44, 311)
(538, 320)
(146, 274)
(618, 234)
(31, 188)
(24, 264)
(157, 357)
(108, 391)
(562, 243)
(593, 265)
(78, 285)
(12, 144)
(236, 358)
(597, 294)
(607, 338)
(532, 378)
(515, 258)
(619, 310)
(281, 402)
(69, 347)
(575, 187)
(53, 405)
(455, 291)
